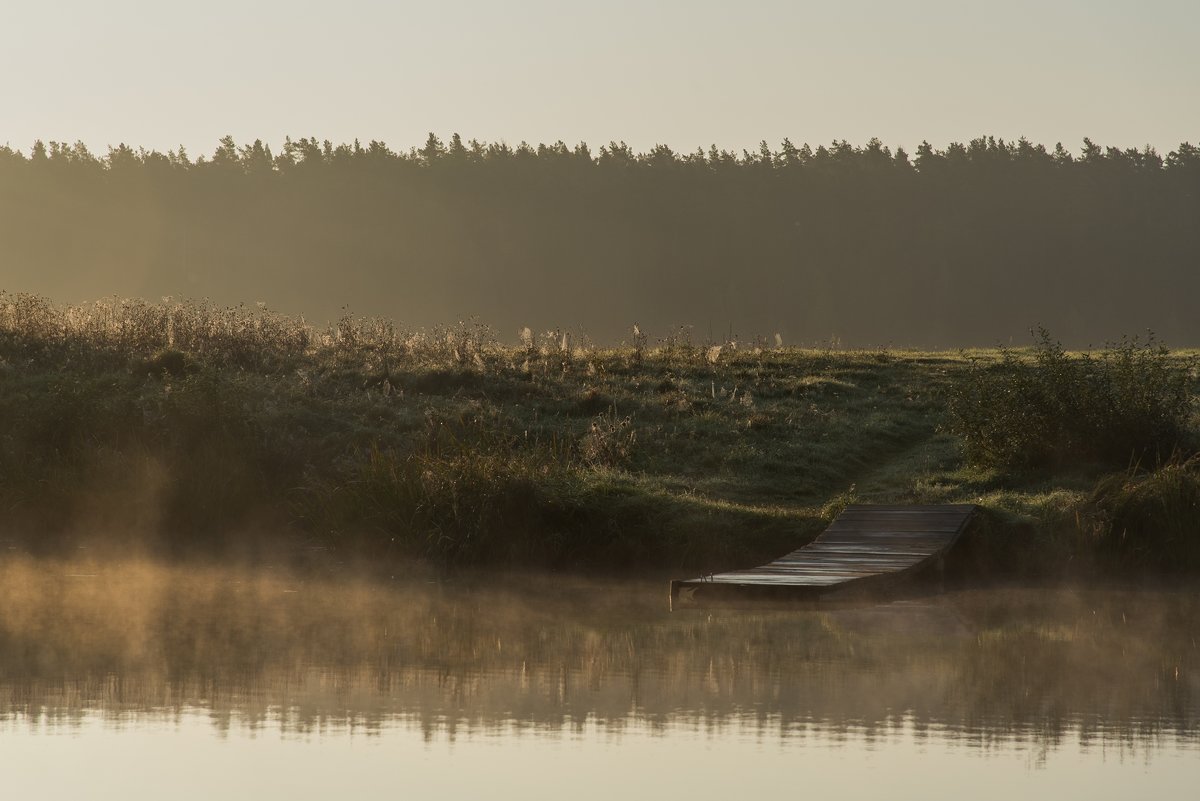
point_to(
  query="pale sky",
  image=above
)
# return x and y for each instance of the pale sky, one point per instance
(687, 74)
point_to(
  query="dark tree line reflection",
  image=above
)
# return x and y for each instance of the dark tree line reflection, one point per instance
(261, 648)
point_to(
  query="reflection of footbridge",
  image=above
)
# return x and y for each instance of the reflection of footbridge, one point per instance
(865, 549)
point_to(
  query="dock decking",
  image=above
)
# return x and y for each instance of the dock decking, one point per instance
(866, 546)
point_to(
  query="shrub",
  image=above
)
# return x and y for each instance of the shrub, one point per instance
(1130, 402)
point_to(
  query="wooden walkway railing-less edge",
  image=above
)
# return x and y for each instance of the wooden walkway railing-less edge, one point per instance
(864, 548)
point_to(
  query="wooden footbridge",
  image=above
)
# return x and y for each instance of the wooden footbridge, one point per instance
(865, 549)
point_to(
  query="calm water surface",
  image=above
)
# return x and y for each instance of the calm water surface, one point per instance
(135, 680)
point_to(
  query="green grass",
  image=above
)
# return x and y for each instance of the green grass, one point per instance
(193, 428)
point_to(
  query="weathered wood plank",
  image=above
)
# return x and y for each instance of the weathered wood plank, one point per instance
(962, 508)
(866, 544)
(858, 511)
(895, 526)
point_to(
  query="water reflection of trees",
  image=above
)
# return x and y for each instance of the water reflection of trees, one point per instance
(260, 649)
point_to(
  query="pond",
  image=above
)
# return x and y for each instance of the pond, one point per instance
(140, 680)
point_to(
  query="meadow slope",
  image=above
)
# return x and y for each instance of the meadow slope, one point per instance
(190, 428)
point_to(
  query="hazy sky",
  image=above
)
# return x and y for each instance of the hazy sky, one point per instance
(161, 74)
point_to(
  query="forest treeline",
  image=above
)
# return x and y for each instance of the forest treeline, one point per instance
(970, 244)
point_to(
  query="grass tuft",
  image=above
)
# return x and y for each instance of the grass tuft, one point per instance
(1149, 519)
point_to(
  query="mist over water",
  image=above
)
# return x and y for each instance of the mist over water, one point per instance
(599, 670)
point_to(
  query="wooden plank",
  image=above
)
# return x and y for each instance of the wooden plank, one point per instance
(828, 558)
(892, 538)
(828, 579)
(961, 508)
(896, 526)
(860, 509)
(865, 545)
(859, 515)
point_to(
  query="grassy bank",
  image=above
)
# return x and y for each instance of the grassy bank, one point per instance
(192, 428)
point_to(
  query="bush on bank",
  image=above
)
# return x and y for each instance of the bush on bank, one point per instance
(1128, 403)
